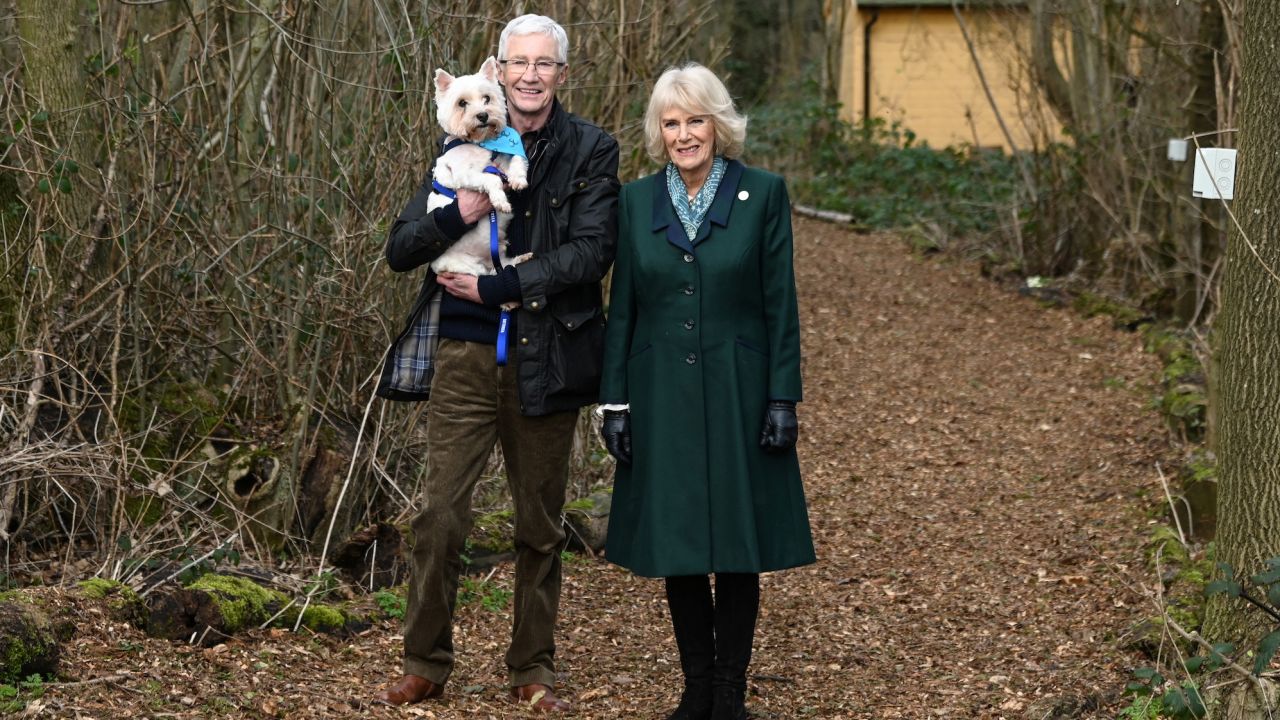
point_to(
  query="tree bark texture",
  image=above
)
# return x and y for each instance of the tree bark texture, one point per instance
(54, 83)
(1248, 331)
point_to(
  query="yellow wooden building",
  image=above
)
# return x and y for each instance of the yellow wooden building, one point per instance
(908, 61)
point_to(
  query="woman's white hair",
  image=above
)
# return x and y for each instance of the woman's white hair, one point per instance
(697, 91)
(535, 25)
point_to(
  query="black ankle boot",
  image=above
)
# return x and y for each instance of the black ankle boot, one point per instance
(695, 702)
(727, 703)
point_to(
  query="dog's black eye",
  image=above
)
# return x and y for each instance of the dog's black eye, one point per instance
(462, 103)
(486, 99)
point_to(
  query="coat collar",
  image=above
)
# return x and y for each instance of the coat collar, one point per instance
(664, 215)
(543, 141)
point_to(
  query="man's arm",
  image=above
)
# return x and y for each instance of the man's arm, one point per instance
(417, 237)
(593, 234)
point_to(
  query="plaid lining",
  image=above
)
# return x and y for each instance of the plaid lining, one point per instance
(413, 359)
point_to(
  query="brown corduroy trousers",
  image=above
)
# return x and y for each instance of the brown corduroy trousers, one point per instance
(474, 403)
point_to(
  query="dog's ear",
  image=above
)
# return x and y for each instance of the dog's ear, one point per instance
(490, 69)
(443, 80)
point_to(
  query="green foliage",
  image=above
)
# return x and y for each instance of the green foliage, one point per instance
(1182, 400)
(1225, 585)
(1267, 583)
(489, 594)
(878, 173)
(1266, 651)
(393, 605)
(1155, 699)
(14, 698)
(1184, 702)
(1090, 304)
(1143, 707)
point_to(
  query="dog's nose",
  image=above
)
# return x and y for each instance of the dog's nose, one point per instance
(482, 117)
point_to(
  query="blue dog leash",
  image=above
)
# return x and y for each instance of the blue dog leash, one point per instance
(504, 318)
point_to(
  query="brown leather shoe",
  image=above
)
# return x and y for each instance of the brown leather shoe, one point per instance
(409, 689)
(539, 697)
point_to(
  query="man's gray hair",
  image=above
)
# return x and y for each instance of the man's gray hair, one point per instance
(535, 25)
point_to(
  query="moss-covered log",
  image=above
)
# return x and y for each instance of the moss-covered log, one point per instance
(587, 521)
(30, 641)
(218, 606)
(124, 603)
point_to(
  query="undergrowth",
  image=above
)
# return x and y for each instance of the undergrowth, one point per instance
(878, 172)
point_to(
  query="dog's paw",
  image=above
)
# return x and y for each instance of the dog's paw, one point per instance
(517, 182)
(521, 258)
(500, 203)
(512, 305)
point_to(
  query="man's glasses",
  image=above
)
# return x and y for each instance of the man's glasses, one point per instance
(542, 67)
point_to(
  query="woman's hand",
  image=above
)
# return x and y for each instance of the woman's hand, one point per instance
(617, 434)
(780, 427)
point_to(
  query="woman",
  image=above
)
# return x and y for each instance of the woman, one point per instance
(701, 380)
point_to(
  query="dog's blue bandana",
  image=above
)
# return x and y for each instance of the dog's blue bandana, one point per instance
(508, 143)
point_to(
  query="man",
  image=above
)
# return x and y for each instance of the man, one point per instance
(567, 219)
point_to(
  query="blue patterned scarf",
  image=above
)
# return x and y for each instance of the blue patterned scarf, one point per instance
(692, 213)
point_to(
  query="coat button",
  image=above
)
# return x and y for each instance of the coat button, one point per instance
(555, 202)
(524, 341)
(688, 289)
(688, 324)
(528, 213)
(534, 304)
(688, 257)
(581, 185)
(692, 358)
(569, 324)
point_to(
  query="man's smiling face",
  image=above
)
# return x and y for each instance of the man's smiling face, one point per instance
(530, 93)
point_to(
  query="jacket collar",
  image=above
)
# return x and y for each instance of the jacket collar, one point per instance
(664, 215)
(543, 141)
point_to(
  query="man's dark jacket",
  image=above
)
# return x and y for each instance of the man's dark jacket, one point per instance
(570, 222)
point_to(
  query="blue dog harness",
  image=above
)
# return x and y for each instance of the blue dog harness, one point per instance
(504, 318)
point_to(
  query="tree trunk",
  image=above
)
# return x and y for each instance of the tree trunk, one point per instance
(1045, 63)
(1248, 331)
(53, 76)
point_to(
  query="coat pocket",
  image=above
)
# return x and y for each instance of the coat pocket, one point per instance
(577, 360)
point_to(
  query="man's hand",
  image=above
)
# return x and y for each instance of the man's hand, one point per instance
(459, 285)
(473, 205)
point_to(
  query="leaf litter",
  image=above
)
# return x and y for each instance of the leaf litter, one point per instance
(976, 490)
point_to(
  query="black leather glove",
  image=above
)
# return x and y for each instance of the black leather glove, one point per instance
(780, 427)
(617, 434)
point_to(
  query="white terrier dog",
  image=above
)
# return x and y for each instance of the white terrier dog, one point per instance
(472, 111)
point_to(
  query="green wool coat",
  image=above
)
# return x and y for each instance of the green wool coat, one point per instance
(701, 335)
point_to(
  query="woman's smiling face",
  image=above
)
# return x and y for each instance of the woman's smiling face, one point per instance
(690, 140)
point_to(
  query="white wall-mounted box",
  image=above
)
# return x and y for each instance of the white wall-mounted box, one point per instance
(1215, 174)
